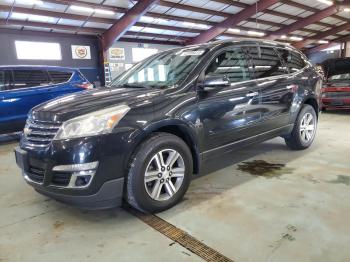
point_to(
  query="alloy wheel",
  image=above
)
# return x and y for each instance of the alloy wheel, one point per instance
(164, 174)
(307, 128)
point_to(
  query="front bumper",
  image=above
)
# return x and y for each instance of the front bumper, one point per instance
(105, 190)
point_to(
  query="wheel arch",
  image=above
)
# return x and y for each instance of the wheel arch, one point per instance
(312, 101)
(177, 128)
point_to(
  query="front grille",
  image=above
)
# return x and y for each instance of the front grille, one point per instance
(36, 174)
(40, 133)
(337, 94)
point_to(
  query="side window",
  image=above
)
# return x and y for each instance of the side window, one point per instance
(231, 64)
(2, 80)
(266, 62)
(58, 77)
(295, 62)
(29, 78)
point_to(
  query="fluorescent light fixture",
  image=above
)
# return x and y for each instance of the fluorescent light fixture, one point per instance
(323, 41)
(346, 9)
(19, 16)
(283, 36)
(234, 30)
(81, 8)
(104, 12)
(31, 2)
(255, 33)
(327, 2)
(148, 19)
(295, 38)
(189, 24)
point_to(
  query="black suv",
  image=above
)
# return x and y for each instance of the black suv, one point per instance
(142, 138)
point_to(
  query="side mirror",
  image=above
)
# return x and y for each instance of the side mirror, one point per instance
(214, 82)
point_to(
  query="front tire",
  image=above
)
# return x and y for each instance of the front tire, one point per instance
(159, 174)
(304, 130)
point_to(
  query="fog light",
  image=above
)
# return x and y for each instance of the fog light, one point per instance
(82, 180)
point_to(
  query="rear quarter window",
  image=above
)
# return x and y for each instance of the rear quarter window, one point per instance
(295, 62)
(2, 80)
(58, 77)
(29, 78)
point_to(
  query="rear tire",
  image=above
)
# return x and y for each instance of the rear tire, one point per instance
(159, 173)
(304, 130)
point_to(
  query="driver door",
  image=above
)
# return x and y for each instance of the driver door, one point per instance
(229, 113)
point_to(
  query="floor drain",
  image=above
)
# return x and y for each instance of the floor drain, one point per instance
(179, 236)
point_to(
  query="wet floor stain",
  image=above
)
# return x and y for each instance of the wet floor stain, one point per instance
(341, 180)
(58, 225)
(263, 168)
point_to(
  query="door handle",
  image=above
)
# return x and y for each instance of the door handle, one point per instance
(252, 94)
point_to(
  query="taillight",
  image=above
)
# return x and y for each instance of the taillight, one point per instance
(85, 86)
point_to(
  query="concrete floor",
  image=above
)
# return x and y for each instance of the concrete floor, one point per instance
(296, 211)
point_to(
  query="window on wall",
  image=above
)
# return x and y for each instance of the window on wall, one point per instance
(139, 53)
(38, 50)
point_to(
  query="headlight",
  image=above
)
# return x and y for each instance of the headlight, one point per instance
(100, 122)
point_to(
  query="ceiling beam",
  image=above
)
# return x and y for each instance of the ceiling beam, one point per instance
(303, 22)
(188, 8)
(322, 36)
(126, 22)
(311, 9)
(330, 44)
(232, 21)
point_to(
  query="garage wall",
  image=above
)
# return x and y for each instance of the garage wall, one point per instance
(128, 55)
(90, 68)
(319, 57)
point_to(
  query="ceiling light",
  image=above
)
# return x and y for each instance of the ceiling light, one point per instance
(323, 41)
(234, 30)
(104, 12)
(296, 38)
(283, 36)
(31, 2)
(81, 8)
(346, 9)
(327, 2)
(189, 24)
(255, 33)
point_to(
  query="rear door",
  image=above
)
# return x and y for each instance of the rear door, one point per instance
(27, 89)
(276, 87)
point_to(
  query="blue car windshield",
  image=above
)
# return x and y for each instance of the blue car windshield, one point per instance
(165, 70)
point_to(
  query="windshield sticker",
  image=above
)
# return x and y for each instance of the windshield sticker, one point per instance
(192, 53)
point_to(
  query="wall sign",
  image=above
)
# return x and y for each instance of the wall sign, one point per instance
(117, 53)
(81, 52)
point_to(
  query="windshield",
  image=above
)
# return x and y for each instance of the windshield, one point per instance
(342, 77)
(165, 70)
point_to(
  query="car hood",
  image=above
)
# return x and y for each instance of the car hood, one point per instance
(76, 104)
(336, 66)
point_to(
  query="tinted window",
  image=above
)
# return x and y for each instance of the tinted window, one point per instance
(2, 80)
(295, 62)
(266, 62)
(29, 78)
(231, 64)
(59, 76)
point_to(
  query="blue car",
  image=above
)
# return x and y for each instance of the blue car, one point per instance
(23, 87)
